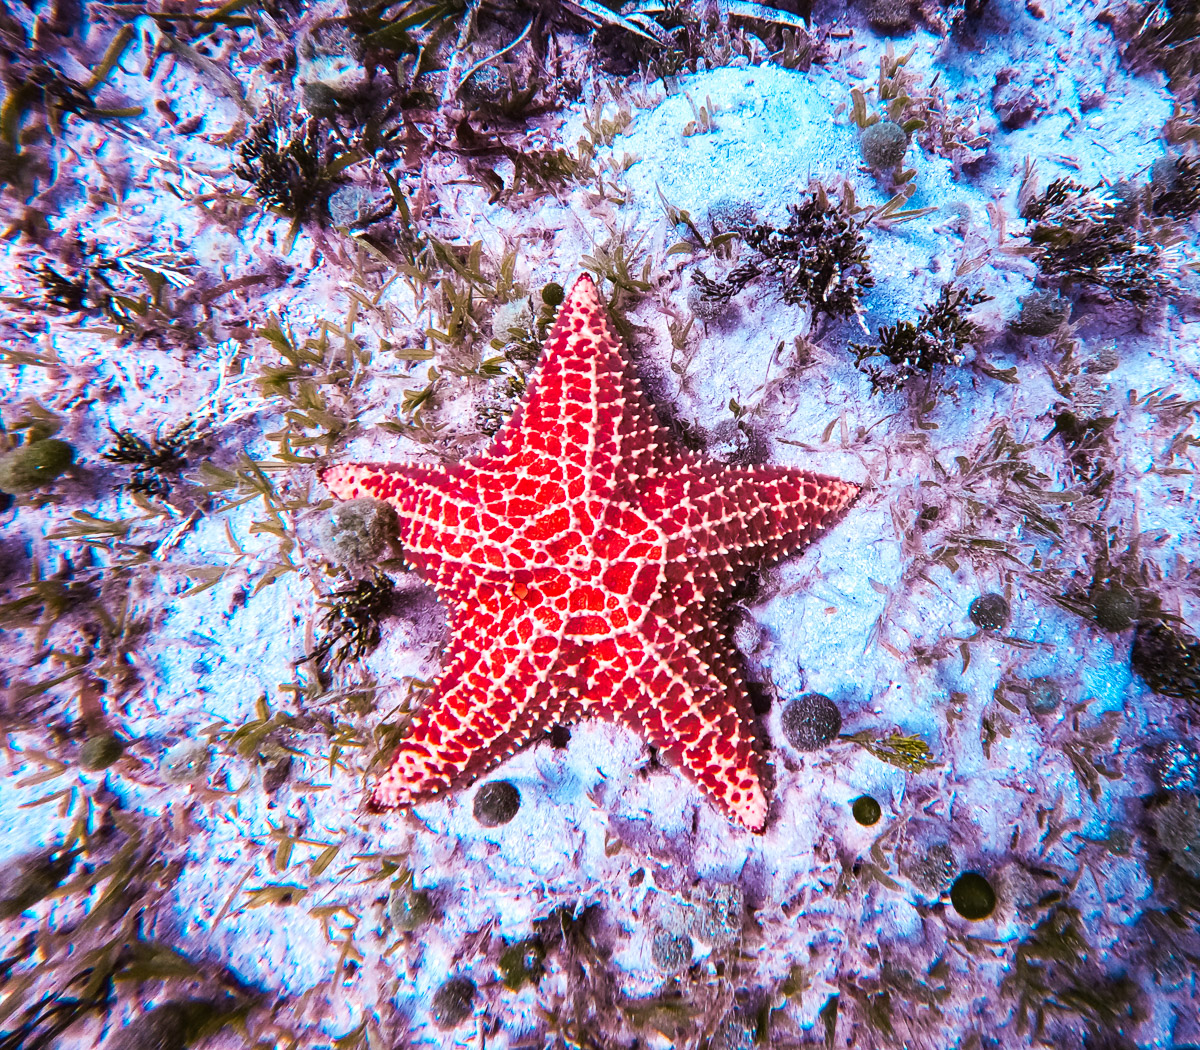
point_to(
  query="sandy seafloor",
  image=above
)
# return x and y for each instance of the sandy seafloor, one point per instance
(865, 615)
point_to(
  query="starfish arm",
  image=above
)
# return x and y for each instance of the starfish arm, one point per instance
(720, 519)
(671, 684)
(495, 695)
(446, 532)
(585, 413)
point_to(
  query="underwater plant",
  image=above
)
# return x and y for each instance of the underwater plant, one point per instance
(291, 162)
(819, 258)
(153, 460)
(522, 963)
(1091, 240)
(350, 626)
(939, 336)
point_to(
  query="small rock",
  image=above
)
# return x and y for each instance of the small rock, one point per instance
(496, 803)
(866, 810)
(989, 612)
(972, 896)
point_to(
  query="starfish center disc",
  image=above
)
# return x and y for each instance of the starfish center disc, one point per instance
(590, 575)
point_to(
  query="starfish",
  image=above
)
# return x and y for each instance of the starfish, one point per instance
(582, 557)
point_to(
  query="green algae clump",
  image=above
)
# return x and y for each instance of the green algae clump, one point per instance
(408, 907)
(811, 722)
(883, 145)
(1043, 696)
(359, 531)
(28, 468)
(671, 951)
(100, 752)
(522, 964)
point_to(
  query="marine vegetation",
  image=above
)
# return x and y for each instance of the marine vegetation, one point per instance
(1090, 240)
(939, 336)
(819, 259)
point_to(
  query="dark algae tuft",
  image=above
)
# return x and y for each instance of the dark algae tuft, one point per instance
(1168, 660)
(939, 336)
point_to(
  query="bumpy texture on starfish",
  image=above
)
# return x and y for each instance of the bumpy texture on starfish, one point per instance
(581, 558)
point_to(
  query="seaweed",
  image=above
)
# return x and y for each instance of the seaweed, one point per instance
(36, 85)
(910, 753)
(154, 459)
(291, 162)
(938, 337)
(1051, 977)
(819, 258)
(350, 626)
(1093, 240)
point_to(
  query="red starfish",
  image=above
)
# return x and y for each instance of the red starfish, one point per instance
(582, 557)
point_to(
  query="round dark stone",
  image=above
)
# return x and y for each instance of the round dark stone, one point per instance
(1115, 608)
(560, 737)
(1043, 696)
(811, 722)
(452, 1002)
(496, 803)
(866, 810)
(100, 752)
(972, 896)
(989, 612)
